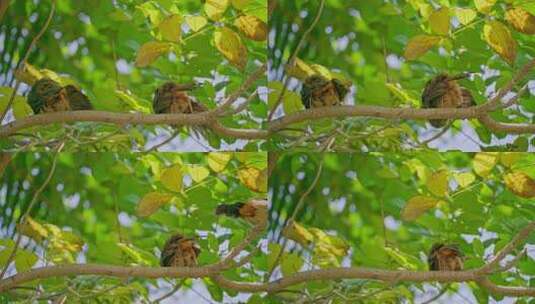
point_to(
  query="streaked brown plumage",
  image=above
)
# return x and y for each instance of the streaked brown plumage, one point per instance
(254, 211)
(47, 95)
(443, 91)
(318, 91)
(179, 251)
(445, 257)
(173, 98)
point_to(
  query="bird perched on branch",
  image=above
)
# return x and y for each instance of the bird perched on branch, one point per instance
(445, 257)
(443, 91)
(47, 95)
(254, 211)
(172, 97)
(179, 251)
(318, 91)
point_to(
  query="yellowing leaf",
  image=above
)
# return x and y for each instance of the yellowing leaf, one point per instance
(230, 45)
(484, 162)
(33, 229)
(254, 179)
(151, 202)
(170, 28)
(417, 206)
(419, 45)
(439, 21)
(465, 15)
(240, 4)
(298, 233)
(150, 51)
(196, 22)
(484, 6)
(217, 161)
(28, 74)
(171, 178)
(521, 20)
(438, 183)
(465, 179)
(198, 173)
(252, 27)
(520, 184)
(215, 9)
(499, 38)
(508, 159)
(300, 70)
(291, 103)
(24, 260)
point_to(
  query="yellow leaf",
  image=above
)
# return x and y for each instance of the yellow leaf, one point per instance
(254, 179)
(170, 28)
(508, 159)
(298, 233)
(150, 51)
(230, 45)
(484, 162)
(499, 38)
(198, 173)
(215, 9)
(28, 74)
(417, 206)
(252, 27)
(196, 22)
(438, 183)
(240, 4)
(439, 21)
(465, 15)
(419, 45)
(301, 70)
(521, 20)
(484, 6)
(171, 178)
(520, 184)
(151, 202)
(33, 229)
(465, 179)
(217, 161)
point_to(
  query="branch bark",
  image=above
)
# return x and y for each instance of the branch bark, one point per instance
(207, 119)
(478, 275)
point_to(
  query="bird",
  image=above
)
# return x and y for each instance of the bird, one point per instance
(445, 257)
(318, 91)
(179, 251)
(254, 211)
(47, 95)
(443, 91)
(172, 97)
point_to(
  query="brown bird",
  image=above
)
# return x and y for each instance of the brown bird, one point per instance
(254, 211)
(172, 97)
(445, 257)
(318, 91)
(46, 95)
(443, 91)
(179, 251)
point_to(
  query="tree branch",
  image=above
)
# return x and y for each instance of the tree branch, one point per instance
(201, 119)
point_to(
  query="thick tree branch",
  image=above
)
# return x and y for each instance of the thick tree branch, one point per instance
(200, 119)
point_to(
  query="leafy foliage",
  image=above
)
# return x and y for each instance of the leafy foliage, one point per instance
(119, 209)
(389, 50)
(119, 52)
(385, 210)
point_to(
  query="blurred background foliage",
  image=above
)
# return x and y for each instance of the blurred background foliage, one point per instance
(94, 44)
(369, 207)
(91, 212)
(365, 42)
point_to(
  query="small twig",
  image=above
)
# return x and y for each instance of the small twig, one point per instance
(293, 57)
(294, 214)
(170, 293)
(30, 207)
(25, 58)
(163, 143)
